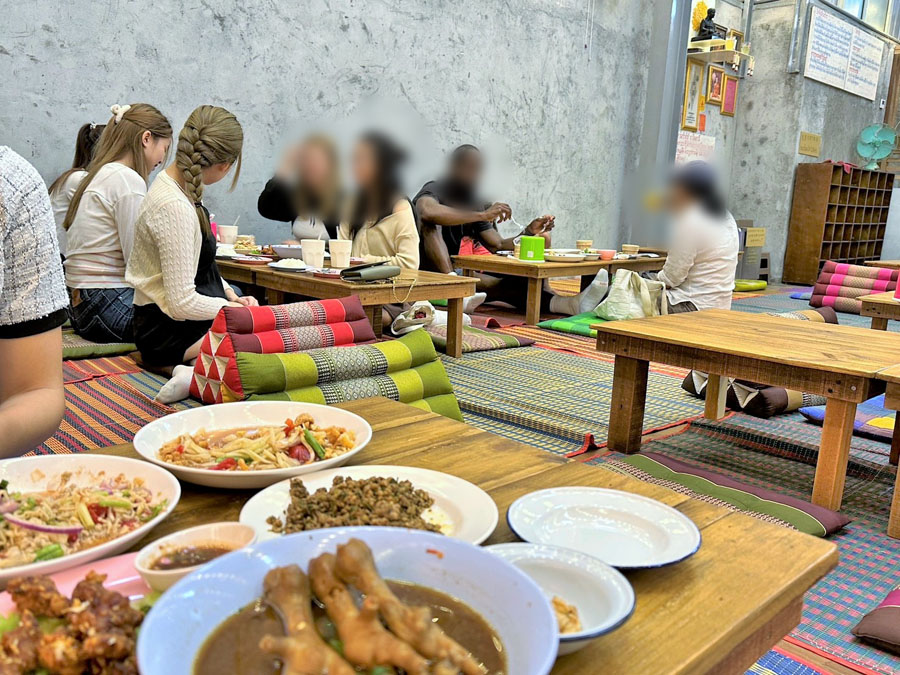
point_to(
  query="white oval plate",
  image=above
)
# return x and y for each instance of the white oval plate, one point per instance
(509, 600)
(28, 474)
(157, 433)
(622, 529)
(470, 512)
(285, 268)
(602, 595)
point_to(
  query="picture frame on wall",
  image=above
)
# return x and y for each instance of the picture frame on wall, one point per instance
(693, 90)
(715, 85)
(738, 38)
(729, 95)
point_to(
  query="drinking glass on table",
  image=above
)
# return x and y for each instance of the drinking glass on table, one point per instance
(340, 252)
(314, 252)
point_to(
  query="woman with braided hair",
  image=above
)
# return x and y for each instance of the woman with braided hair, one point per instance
(177, 287)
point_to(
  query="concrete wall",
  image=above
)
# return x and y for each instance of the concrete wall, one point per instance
(515, 76)
(774, 107)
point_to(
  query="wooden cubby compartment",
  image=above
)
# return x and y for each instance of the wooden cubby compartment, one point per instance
(836, 214)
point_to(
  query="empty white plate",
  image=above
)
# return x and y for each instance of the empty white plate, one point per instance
(622, 529)
(601, 594)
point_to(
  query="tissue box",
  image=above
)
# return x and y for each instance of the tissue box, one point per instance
(532, 249)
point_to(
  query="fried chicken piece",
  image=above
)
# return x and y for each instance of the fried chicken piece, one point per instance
(101, 613)
(18, 647)
(356, 566)
(302, 651)
(124, 667)
(113, 645)
(38, 595)
(60, 653)
(366, 641)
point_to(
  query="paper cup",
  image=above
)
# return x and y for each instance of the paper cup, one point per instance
(313, 252)
(228, 234)
(340, 252)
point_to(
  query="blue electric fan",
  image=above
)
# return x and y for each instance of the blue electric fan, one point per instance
(876, 142)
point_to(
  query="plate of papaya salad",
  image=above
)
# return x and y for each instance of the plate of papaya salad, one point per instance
(60, 511)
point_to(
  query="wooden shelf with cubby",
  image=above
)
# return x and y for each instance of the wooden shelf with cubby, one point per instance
(836, 214)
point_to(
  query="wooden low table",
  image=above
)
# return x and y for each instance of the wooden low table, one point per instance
(410, 286)
(891, 377)
(887, 264)
(838, 362)
(716, 612)
(881, 307)
(537, 272)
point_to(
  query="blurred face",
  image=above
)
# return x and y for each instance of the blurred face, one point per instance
(215, 173)
(316, 166)
(678, 199)
(467, 169)
(155, 149)
(364, 166)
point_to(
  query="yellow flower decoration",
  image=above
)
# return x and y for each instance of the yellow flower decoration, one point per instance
(700, 10)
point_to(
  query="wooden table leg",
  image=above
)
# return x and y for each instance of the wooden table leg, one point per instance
(373, 314)
(716, 391)
(834, 452)
(274, 297)
(895, 443)
(533, 302)
(454, 327)
(894, 522)
(468, 273)
(879, 323)
(626, 409)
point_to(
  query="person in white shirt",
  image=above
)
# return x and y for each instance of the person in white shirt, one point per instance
(703, 252)
(63, 188)
(100, 219)
(177, 286)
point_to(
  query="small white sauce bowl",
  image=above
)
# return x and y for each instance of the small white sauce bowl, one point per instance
(602, 595)
(230, 534)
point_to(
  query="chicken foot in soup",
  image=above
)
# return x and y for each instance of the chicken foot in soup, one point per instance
(366, 642)
(302, 651)
(356, 566)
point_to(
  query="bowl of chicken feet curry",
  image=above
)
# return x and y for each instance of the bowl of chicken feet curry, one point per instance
(373, 600)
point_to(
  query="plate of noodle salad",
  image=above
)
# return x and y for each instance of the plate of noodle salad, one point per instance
(65, 510)
(252, 444)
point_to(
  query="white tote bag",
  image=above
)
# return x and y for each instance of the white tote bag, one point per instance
(633, 297)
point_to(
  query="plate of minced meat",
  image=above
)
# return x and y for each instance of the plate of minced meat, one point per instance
(393, 496)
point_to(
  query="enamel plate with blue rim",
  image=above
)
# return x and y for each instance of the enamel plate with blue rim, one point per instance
(622, 529)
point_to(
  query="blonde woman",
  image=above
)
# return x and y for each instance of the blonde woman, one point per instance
(99, 223)
(178, 288)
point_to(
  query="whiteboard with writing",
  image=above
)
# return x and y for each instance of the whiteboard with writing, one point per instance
(842, 55)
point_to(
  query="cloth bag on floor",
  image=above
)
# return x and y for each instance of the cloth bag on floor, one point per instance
(633, 297)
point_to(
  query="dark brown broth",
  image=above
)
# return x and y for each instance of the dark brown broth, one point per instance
(188, 556)
(233, 648)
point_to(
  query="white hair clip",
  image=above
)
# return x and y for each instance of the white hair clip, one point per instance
(119, 111)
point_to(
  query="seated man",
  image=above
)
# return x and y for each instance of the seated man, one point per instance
(454, 221)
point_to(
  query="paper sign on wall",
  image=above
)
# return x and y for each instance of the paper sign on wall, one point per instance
(842, 55)
(810, 144)
(693, 146)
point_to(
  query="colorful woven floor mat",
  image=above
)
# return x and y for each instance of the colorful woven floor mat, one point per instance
(868, 568)
(87, 369)
(149, 385)
(100, 412)
(792, 437)
(477, 339)
(76, 347)
(539, 396)
(776, 662)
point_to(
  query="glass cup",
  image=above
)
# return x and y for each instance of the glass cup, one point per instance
(340, 253)
(313, 252)
(228, 234)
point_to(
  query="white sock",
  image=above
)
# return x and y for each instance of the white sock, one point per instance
(472, 303)
(585, 301)
(179, 387)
